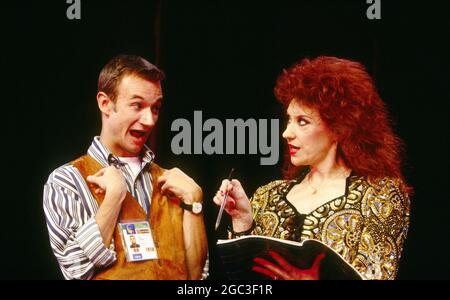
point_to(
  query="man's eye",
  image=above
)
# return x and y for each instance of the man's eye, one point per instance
(136, 105)
(156, 109)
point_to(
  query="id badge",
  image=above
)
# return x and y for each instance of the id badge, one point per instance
(137, 240)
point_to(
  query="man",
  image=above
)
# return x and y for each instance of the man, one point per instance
(117, 181)
(135, 246)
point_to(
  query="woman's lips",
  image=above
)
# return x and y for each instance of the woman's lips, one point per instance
(293, 149)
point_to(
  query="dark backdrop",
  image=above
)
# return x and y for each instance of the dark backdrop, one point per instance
(221, 57)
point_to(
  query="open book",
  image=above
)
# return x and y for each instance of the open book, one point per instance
(237, 257)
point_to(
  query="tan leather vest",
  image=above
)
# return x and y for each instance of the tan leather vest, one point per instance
(166, 221)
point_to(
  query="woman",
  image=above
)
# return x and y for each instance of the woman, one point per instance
(343, 184)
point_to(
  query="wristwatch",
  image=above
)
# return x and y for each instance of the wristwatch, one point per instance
(194, 208)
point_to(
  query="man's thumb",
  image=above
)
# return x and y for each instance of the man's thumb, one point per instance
(92, 179)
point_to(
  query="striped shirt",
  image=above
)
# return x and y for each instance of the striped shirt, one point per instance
(70, 211)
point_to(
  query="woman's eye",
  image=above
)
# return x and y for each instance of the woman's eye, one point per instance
(302, 122)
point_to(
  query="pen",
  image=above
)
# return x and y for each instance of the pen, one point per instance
(222, 206)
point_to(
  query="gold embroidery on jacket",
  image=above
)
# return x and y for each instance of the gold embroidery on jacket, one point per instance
(367, 226)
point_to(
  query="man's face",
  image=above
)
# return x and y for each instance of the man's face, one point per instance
(132, 239)
(133, 115)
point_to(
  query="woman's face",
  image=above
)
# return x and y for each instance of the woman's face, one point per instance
(309, 139)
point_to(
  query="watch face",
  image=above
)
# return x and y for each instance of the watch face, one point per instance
(196, 207)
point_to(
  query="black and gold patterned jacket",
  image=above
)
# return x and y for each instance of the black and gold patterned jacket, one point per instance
(366, 226)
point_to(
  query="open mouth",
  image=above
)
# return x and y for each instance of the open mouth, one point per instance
(138, 133)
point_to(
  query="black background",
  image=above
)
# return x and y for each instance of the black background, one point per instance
(220, 57)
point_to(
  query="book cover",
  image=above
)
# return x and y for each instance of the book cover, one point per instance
(237, 257)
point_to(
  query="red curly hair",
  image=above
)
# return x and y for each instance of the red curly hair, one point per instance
(346, 98)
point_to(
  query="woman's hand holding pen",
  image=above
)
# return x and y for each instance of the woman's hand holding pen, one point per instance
(237, 206)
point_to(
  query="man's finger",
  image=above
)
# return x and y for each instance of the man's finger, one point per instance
(163, 188)
(166, 189)
(100, 172)
(161, 180)
(93, 179)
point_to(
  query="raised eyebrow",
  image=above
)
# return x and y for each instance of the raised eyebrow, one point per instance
(136, 97)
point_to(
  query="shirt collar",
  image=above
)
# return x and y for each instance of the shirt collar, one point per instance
(102, 154)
